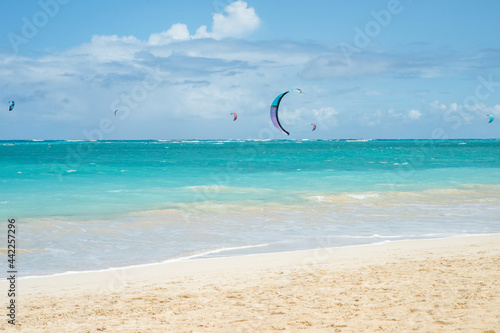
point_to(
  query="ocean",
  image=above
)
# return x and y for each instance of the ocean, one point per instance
(92, 205)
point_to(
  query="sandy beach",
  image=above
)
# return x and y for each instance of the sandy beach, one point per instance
(441, 285)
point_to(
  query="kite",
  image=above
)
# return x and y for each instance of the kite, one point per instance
(11, 105)
(274, 110)
(235, 116)
(491, 118)
(116, 112)
(314, 126)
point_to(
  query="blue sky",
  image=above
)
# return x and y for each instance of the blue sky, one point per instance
(176, 70)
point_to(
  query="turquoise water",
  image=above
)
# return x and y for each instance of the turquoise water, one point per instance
(94, 205)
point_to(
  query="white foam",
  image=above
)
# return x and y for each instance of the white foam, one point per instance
(363, 196)
(219, 250)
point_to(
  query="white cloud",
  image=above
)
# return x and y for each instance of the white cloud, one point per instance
(178, 32)
(202, 32)
(390, 116)
(438, 106)
(414, 114)
(457, 114)
(496, 109)
(303, 117)
(105, 48)
(238, 22)
(325, 113)
(481, 109)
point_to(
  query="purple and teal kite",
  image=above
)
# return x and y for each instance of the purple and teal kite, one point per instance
(274, 110)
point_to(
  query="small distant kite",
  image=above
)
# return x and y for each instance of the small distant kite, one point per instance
(274, 110)
(235, 116)
(116, 112)
(314, 127)
(11, 105)
(491, 118)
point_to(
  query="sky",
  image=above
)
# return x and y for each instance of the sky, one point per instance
(388, 69)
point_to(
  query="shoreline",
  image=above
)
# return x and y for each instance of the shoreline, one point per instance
(201, 256)
(435, 285)
(175, 268)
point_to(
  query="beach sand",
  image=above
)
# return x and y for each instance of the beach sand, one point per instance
(441, 285)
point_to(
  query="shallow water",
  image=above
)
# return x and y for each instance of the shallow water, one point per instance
(94, 205)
